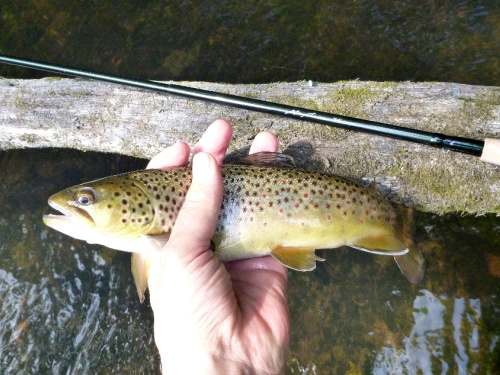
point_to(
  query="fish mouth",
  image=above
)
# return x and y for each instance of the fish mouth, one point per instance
(69, 215)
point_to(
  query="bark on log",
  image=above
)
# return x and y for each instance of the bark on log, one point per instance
(89, 115)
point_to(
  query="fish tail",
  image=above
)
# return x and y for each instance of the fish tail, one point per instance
(411, 264)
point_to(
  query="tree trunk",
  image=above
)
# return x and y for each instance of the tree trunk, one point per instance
(96, 116)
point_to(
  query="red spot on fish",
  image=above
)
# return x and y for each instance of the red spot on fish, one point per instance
(374, 208)
(265, 224)
(302, 224)
(281, 210)
(263, 195)
(328, 217)
(283, 182)
(296, 205)
(305, 195)
(361, 221)
(348, 202)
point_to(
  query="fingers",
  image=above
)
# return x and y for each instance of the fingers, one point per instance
(199, 214)
(215, 140)
(264, 141)
(173, 156)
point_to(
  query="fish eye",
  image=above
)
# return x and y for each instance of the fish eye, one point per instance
(85, 196)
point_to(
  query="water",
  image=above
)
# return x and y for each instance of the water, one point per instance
(261, 41)
(67, 307)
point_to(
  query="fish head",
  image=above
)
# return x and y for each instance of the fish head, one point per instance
(114, 207)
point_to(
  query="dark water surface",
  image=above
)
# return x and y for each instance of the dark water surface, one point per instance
(261, 41)
(67, 307)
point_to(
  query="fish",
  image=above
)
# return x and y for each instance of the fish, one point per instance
(269, 207)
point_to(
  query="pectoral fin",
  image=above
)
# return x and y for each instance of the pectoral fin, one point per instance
(297, 258)
(140, 272)
(148, 245)
(382, 244)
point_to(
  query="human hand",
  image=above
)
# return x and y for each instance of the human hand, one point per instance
(214, 318)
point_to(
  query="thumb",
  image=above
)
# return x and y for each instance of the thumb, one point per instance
(197, 219)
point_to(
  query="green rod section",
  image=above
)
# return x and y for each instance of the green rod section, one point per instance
(465, 145)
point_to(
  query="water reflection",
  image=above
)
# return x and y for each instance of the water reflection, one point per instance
(424, 349)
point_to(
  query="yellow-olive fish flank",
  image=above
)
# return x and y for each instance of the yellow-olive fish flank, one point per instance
(268, 208)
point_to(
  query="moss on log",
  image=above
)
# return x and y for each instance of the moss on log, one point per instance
(89, 115)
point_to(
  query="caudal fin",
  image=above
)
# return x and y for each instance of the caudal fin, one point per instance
(411, 264)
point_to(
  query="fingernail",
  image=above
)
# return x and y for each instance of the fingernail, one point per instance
(201, 166)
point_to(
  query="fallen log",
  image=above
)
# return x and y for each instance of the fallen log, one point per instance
(88, 115)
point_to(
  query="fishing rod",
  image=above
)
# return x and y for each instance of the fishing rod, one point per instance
(488, 150)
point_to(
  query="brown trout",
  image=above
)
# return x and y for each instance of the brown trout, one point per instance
(268, 208)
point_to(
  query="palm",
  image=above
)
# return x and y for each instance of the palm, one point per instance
(262, 308)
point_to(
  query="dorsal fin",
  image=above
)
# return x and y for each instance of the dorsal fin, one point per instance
(268, 159)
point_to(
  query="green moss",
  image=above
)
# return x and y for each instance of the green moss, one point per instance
(471, 116)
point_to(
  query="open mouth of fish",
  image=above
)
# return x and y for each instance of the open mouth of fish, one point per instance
(69, 215)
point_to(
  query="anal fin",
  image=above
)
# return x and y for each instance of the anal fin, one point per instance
(383, 244)
(297, 258)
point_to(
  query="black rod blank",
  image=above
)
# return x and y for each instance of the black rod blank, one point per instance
(465, 145)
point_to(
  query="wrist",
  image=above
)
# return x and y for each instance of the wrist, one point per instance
(205, 365)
